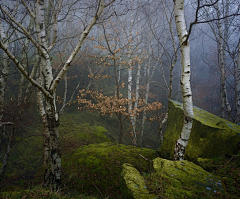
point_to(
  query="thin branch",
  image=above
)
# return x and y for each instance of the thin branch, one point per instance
(28, 35)
(207, 21)
(29, 10)
(23, 71)
(78, 46)
(109, 3)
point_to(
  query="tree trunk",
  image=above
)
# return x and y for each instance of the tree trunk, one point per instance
(4, 71)
(46, 84)
(147, 75)
(51, 145)
(182, 142)
(9, 147)
(238, 83)
(120, 139)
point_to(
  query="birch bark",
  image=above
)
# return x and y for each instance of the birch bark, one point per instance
(182, 142)
(130, 69)
(134, 119)
(223, 37)
(46, 83)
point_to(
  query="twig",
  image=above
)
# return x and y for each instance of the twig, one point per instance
(98, 190)
(143, 157)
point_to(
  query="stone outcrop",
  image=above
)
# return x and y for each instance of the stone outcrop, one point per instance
(96, 168)
(185, 179)
(176, 179)
(133, 185)
(211, 136)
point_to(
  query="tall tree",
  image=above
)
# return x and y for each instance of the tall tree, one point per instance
(46, 14)
(185, 80)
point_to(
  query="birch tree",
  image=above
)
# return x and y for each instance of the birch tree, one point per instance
(46, 15)
(182, 142)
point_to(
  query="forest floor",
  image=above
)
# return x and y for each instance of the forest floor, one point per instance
(24, 175)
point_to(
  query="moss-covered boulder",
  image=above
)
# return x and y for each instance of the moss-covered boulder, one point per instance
(96, 168)
(211, 136)
(185, 173)
(182, 179)
(133, 184)
(75, 135)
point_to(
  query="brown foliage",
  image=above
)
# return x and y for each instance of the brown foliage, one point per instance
(112, 105)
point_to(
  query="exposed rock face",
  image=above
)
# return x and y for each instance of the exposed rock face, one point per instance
(133, 184)
(97, 167)
(176, 179)
(186, 178)
(211, 136)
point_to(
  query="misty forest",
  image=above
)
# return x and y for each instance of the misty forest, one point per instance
(133, 99)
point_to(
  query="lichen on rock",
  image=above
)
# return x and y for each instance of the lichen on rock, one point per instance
(210, 137)
(133, 184)
(187, 176)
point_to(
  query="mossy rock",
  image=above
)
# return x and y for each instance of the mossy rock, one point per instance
(133, 184)
(75, 135)
(184, 179)
(210, 137)
(96, 168)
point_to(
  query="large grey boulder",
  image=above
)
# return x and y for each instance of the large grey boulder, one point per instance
(211, 136)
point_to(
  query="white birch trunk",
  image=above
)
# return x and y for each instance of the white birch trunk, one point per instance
(144, 110)
(185, 81)
(52, 152)
(134, 140)
(222, 69)
(130, 68)
(47, 85)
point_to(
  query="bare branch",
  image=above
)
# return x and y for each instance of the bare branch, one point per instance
(78, 46)
(23, 71)
(29, 10)
(28, 35)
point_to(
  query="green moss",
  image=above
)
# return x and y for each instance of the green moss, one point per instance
(40, 193)
(133, 184)
(182, 179)
(211, 136)
(228, 170)
(75, 135)
(82, 117)
(26, 157)
(97, 167)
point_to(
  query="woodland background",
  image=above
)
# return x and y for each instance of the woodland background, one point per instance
(123, 67)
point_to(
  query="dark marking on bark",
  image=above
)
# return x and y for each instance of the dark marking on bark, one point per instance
(188, 119)
(179, 151)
